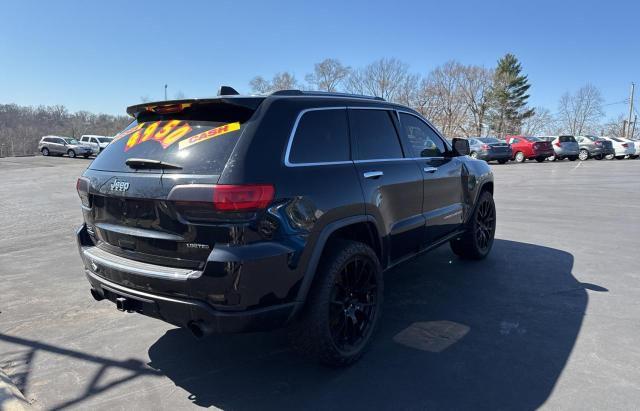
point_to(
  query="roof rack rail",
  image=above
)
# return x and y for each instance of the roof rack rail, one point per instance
(323, 93)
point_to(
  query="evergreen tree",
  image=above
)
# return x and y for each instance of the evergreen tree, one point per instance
(509, 97)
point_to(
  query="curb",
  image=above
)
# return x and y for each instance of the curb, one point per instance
(11, 399)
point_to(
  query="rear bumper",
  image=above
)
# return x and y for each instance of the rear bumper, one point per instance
(217, 298)
(543, 153)
(563, 152)
(186, 312)
(489, 156)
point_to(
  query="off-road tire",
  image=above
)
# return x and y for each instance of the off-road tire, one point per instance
(310, 334)
(467, 245)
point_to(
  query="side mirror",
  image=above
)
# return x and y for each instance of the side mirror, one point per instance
(460, 147)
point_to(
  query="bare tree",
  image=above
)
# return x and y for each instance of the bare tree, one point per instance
(580, 112)
(426, 100)
(614, 126)
(259, 85)
(450, 105)
(284, 81)
(475, 86)
(382, 78)
(328, 75)
(541, 122)
(281, 81)
(22, 127)
(407, 93)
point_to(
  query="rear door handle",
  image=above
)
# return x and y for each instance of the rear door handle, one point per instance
(373, 174)
(430, 169)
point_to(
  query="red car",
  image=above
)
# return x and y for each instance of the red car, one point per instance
(529, 148)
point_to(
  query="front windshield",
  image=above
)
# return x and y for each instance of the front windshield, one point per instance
(71, 141)
(105, 139)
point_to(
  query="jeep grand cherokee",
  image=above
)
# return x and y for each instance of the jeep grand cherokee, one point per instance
(240, 213)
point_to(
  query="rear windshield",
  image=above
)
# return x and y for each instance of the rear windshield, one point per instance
(532, 139)
(616, 139)
(489, 140)
(105, 139)
(567, 139)
(199, 139)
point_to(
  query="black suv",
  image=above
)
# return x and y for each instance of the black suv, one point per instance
(244, 213)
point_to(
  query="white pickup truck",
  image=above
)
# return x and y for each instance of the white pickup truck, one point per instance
(99, 142)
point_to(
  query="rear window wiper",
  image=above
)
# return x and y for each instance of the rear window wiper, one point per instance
(148, 163)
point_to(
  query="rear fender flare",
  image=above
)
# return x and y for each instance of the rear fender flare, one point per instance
(318, 248)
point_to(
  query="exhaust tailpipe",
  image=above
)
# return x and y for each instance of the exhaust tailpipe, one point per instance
(199, 329)
(96, 295)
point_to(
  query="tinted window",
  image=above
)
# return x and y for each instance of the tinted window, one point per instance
(567, 139)
(489, 140)
(321, 137)
(375, 134)
(423, 141)
(532, 139)
(616, 139)
(199, 138)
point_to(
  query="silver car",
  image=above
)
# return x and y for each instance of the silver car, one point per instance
(563, 147)
(58, 146)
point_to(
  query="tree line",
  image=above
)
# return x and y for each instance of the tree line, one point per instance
(461, 100)
(21, 127)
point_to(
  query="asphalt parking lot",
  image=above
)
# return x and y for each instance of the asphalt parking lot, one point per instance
(550, 319)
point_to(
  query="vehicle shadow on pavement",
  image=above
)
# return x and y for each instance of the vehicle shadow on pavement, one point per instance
(494, 334)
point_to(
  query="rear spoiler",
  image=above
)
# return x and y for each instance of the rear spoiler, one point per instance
(250, 103)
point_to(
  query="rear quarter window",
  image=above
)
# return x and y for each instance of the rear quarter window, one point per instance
(321, 136)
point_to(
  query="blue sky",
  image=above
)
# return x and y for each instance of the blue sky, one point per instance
(103, 56)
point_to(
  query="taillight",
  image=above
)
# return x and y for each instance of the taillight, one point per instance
(486, 147)
(82, 186)
(557, 144)
(625, 145)
(598, 143)
(242, 197)
(198, 198)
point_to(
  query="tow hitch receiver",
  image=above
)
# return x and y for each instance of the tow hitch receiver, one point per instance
(122, 304)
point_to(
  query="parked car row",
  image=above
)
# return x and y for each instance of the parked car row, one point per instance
(552, 148)
(87, 146)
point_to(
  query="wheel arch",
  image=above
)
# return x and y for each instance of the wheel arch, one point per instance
(363, 228)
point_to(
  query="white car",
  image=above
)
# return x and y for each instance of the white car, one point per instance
(636, 144)
(621, 147)
(99, 142)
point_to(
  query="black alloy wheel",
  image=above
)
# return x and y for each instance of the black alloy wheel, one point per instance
(485, 224)
(353, 304)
